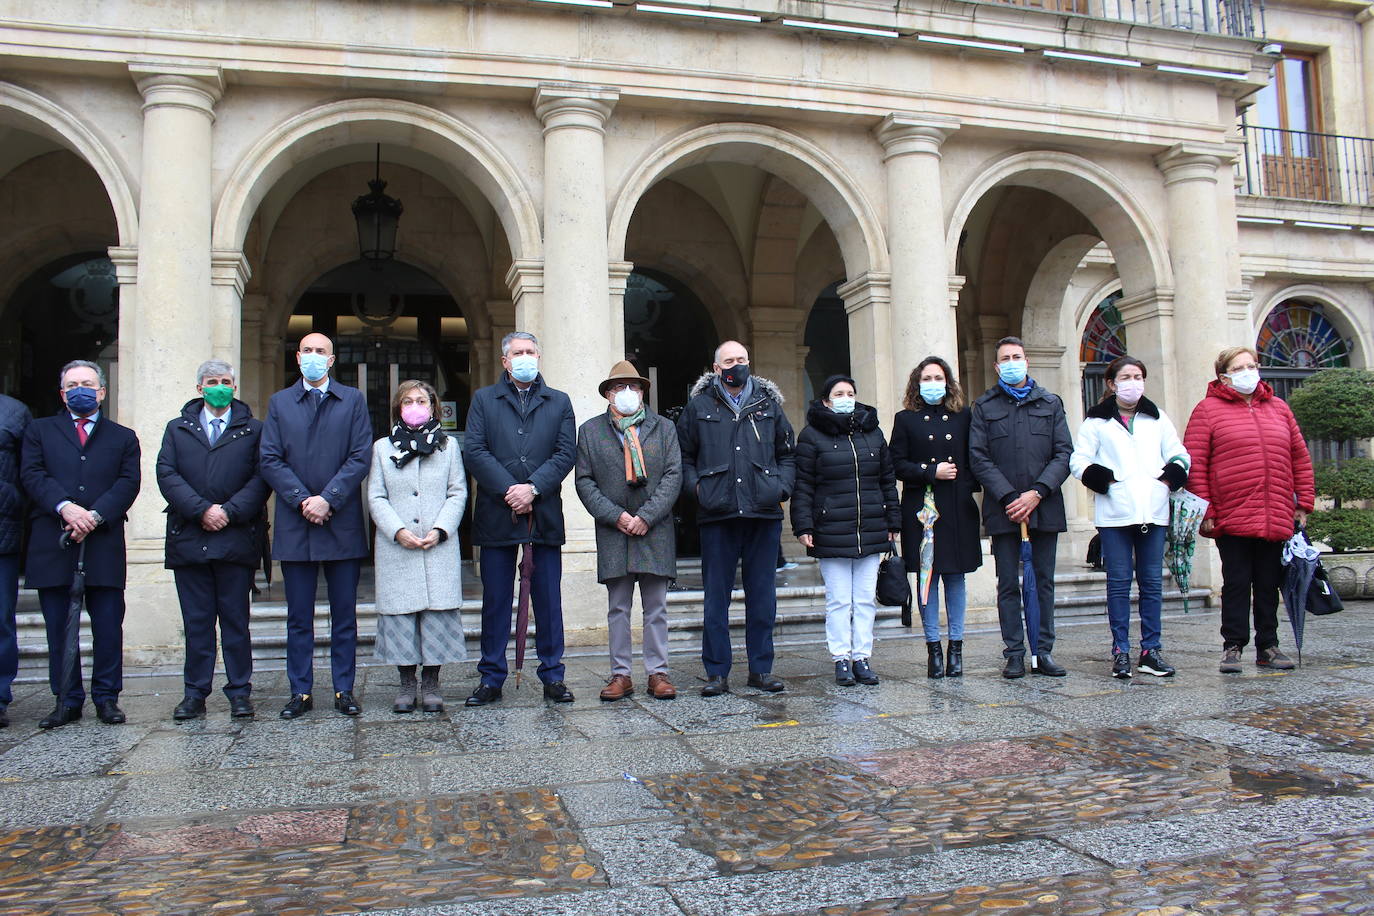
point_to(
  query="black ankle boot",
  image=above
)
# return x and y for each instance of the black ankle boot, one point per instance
(954, 662)
(936, 667)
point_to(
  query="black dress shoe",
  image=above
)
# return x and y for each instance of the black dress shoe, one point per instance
(558, 692)
(60, 716)
(715, 686)
(484, 694)
(770, 683)
(1047, 666)
(241, 707)
(110, 713)
(189, 708)
(297, 706)
(1015, 667)
(344, 703)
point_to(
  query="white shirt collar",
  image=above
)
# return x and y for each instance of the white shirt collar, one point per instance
(324, 387)
(206, 417)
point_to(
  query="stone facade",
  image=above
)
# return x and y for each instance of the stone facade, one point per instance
(946, 194)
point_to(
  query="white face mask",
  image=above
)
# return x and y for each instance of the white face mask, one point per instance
(1130, 391)
(1245, 381)
(627, 401)
(842, 405)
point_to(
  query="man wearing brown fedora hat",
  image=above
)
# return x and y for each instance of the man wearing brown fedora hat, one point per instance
(629, 472)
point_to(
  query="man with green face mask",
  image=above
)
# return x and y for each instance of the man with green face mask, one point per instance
(208, 473)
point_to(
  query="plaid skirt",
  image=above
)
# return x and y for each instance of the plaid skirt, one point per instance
(423, 638)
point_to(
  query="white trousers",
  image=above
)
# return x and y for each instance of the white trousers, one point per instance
(850, 605)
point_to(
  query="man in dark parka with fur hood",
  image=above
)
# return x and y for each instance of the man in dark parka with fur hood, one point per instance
(738, 463)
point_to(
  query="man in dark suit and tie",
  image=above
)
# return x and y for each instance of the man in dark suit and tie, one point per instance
(316, 451)
(81, 472)
(207, 471)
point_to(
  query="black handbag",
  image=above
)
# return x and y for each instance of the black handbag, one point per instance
(1321, 597)
(894, 589)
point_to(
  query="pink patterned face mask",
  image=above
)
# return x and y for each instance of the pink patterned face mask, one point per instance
(415, 415)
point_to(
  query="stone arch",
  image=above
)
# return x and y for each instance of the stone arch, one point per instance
(1141, 254)
(42, 116)
(370, 120)
(796, 160)
(1345, 318)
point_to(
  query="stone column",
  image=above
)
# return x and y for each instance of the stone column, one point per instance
(1149, 321)
(163, 334)
(1366, 20)
(525, 279)
(618, 280)
(773, 354)
(867, 302)
(254, 387)
(1197, 252)
(582, 337)
(921, 320)
(229, 273)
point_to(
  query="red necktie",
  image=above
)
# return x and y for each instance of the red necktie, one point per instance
(81, 435)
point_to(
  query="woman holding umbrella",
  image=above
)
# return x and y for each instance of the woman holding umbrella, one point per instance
(1251, 463)
(1129, 454)
(416, 492)
(930, 454)
(844, 512)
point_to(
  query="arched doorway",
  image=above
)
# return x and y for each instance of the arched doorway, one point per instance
(1297, 339)
(68, 309)
(668, 336)
(827, 340)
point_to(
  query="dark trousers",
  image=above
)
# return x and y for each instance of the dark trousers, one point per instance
(9, 636)
(1251, 570)
(1134, 551)
(752, 543)
(300, 580)
(208, 593)
(1006, 555)
(105, 608)
(499, 566)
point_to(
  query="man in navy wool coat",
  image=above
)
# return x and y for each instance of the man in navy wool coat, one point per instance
(81, 471)
(316, 452)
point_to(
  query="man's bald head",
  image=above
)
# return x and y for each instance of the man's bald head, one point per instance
(317, 343)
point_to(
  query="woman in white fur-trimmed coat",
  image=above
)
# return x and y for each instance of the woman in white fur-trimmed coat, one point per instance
(1129, 454)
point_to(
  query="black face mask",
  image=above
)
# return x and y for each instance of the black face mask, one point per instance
(735, 376)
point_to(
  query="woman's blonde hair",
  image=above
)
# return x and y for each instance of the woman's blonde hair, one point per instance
(1225, 357)
(407, 386)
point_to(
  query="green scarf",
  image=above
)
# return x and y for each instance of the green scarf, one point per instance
(634, 452)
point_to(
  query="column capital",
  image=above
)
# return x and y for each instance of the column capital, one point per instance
(560, 105)
(903, 134)
(526, 275)
(165, 84)
(125, 262)
(765, 320)
(868, 289)
(1238, 303)
(956, 286)
(1045, 356)
(1194, 161)
(228, 267)
(1365, 15)
(619, 274)
(1155, 303)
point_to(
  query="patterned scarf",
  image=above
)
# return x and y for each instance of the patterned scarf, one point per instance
(634, 452)
(416, 443)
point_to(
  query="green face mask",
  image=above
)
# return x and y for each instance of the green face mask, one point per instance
(218, 396)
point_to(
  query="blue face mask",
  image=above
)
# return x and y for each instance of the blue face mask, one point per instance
(932, 392)
(82, 400)
(524, 368)
(1013, 371)
(842, 405)
(314, 366)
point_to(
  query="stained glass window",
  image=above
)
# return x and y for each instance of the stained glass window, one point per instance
(1104, 339)
(1298, 335)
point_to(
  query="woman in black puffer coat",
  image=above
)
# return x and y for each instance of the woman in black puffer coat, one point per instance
(845, 511)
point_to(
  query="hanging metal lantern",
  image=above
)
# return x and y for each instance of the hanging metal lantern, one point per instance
(378, 217)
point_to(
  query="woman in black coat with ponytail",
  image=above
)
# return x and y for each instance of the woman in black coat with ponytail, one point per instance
(845, 511)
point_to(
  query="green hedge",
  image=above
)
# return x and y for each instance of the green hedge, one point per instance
(1342, 529)
(1336, 404)
(1352, 479)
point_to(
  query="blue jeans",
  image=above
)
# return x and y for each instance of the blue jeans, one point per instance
(751, 543)
(956, 597)
(9, 637)
(1134, 550)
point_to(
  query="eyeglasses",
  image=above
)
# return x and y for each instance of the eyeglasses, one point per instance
(624, 386)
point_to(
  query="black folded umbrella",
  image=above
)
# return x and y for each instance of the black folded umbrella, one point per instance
(76, 600)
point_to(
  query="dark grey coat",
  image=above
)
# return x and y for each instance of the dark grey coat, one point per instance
(1016, 446)
(602, 488)
(14, 419)
(507, 442)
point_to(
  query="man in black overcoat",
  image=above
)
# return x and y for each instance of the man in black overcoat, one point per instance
(207, 471)
(81, 472)
(14, 419)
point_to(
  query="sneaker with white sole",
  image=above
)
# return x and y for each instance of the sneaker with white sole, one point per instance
(1121, 665)
(1152, 662)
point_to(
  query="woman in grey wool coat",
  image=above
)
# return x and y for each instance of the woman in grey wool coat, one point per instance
(416, 491)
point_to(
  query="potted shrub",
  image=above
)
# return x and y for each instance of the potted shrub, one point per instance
(1338, 405)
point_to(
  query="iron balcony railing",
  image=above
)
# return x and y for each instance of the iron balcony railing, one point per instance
(1308, 166)
(1241, 18)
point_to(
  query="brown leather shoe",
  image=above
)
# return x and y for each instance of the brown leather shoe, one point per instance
(660, 688)
(620, 687)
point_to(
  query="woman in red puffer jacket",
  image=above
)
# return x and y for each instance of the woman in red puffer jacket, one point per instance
(1251, 463)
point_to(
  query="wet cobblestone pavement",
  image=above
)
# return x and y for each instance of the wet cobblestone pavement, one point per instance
(1204, 793)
